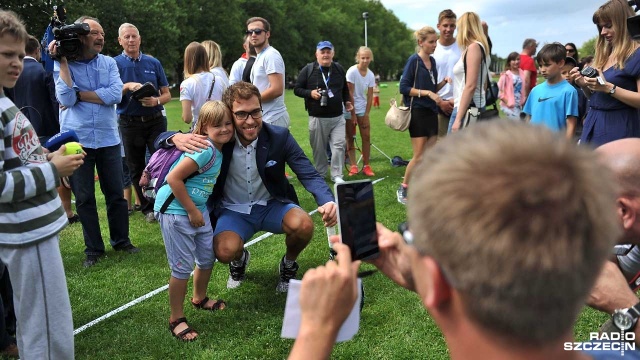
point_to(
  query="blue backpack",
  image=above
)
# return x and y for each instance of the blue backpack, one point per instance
(155, 173)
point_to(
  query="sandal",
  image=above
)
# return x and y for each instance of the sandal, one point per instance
(182, 334)
(218, 305)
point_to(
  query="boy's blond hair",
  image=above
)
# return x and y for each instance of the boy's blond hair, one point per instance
(212, 113)
(10, 24)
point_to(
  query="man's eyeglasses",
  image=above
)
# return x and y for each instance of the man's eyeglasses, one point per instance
(243, 115)
(254, 31)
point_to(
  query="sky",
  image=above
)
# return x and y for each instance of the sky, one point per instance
(510, 21)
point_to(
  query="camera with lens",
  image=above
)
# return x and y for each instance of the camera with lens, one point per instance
(324, 97)
(67, 37)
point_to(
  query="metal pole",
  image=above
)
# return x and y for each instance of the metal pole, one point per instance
(365, 33)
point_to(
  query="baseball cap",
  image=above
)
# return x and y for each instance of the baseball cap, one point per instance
(324, 45)
(570, 60)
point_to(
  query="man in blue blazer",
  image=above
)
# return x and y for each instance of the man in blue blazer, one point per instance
(252, 192)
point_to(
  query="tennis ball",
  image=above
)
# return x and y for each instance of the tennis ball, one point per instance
(72, 148)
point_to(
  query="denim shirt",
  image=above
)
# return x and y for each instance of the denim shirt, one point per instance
(95, 124)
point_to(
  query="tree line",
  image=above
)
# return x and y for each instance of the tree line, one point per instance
(168, 26)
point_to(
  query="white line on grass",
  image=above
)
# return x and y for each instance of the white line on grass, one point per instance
(165, 287)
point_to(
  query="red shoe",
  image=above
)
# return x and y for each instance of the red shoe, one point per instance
(367, 170)
(353, 170)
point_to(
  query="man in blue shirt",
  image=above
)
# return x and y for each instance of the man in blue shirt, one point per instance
(88, 89)
(141, 121)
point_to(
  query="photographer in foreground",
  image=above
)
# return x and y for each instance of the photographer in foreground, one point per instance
(503, 279)
(612, 90)
(323, 86)
(612, 291)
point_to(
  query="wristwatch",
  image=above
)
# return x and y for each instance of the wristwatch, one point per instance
(158, 100)
(613, 90)
(625, 319)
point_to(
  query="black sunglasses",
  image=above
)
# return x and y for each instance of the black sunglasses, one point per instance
(254, 31)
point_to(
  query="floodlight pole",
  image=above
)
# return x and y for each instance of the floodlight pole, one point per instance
(365, 16)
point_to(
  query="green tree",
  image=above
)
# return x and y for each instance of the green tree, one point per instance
(588, 47)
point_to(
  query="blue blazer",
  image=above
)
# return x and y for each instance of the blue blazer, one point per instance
(34, 94)
(275, 148)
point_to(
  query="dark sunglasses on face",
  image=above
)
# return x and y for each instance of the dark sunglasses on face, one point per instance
(571, 50)
(254, 31)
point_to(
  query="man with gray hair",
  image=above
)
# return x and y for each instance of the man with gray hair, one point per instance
(88, 88)
(323, 85)
(140, 120)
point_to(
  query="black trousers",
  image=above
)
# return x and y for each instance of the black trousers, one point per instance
(137, 138)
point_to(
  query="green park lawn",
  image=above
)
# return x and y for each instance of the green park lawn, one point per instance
(394, 324)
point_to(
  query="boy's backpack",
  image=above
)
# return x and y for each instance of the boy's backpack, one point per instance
(155, 173)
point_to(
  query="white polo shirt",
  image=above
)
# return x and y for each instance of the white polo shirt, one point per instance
(269, 61)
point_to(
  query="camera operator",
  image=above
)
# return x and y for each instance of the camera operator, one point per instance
(323, 85)
(88, 89)
(141, 121)
(612, 291)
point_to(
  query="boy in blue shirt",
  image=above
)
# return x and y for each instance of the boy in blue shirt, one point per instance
(554, 103)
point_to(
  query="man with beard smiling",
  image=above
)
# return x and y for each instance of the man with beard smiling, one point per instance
(252, 193)
(323, 85)
(88, 88)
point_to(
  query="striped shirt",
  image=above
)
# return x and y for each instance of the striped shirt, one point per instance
(30, 209)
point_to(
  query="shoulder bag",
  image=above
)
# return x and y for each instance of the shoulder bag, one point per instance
(399, 117)
(491, 97)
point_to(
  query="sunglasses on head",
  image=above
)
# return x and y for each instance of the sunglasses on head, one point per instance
(254, 31)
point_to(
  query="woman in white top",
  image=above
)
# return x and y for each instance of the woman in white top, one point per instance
(472, 42)
(361, 82)
(215, 61)
(200, 85)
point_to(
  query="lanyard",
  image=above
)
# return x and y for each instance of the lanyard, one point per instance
(326, 80)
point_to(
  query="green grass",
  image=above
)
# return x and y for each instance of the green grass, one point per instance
(394, 324)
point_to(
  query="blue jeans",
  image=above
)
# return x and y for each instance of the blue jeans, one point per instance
(452, 119)
(108, 162)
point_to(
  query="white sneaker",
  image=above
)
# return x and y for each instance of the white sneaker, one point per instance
(237, 271)
(338, 179)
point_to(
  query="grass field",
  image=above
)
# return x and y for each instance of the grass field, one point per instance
(394, 324)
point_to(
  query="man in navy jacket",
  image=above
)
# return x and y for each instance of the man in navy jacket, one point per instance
(252, 193)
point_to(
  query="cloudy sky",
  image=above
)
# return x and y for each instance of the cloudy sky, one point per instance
(510, 21)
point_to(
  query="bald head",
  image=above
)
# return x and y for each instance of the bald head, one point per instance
(623, 157)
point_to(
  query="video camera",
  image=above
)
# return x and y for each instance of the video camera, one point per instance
(67, 36)
(633, 22)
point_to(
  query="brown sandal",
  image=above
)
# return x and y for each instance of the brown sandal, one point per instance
(218, 305)
(182, 334)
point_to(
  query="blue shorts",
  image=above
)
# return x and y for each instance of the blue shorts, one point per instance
(262, 218)
(186, 244)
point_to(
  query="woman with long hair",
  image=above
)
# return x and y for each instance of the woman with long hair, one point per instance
(199, 85)
(511, 85)
(572, 51)
(215, 61)
(419, 84)
(473, 43)
(614, 101)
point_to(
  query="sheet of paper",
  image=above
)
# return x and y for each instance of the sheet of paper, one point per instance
(291, 321)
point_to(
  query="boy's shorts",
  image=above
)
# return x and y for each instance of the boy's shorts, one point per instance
(186, 244)
(262, 218)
